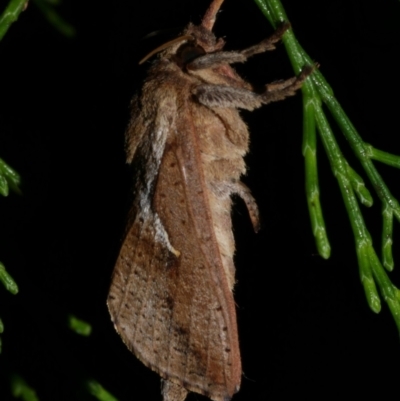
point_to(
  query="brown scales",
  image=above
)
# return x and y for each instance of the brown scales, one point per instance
(171, 292)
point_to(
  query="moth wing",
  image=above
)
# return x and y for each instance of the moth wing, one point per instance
(169, 299)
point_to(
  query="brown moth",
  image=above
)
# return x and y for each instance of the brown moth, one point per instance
(171, 293)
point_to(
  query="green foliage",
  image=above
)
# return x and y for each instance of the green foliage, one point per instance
(15, 7)
(9, 178)
(97, 390)
(51, 15)
(7, 280)
(11, 14)
(79, 326)
(316, 92)
(20, 389)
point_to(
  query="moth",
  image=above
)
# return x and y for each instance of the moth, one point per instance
(171, 292)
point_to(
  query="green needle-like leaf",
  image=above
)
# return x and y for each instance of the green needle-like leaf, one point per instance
(387, 237)
(79, 326)
(358, 147)
(7, 280)
(11, 14)
(312, 186)
(9, 178)
(3, 186)
(381, 156)
(315, 91)
(97, 390)
(54, 18)
(366, 277)
(389, 291)
(359, 187)
(20, 389)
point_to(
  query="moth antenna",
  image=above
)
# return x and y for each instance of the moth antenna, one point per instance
(211, 14)
(165, 45)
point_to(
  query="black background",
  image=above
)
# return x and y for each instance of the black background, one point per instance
(305, 327)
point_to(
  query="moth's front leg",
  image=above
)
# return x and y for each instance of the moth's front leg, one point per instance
(268, 43)
(229, 96)
(211, 60)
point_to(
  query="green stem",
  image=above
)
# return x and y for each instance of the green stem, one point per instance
(359, 187)
(46, 7)
(20, 389)
(381, 156)
(311, 174)
(273, 10)
(388, 290)
(98, 391)
(361, 235)
(366, 276)
(9, 178)
(79, 326)
(387, 237)
(11, 14)
(315, 91)
(7, 280)
(275, 13)
(358, 147)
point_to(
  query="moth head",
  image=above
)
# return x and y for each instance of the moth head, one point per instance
(204, 38)
(196, 39)
(202, 34)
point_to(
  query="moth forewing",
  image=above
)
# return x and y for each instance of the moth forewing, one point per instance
(171, 292)
(176, 313)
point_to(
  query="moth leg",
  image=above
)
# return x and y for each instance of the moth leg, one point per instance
(279, 90)
(211, 60)
(228, 96)
(268, 43)
(244, 192)
(230, 57)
